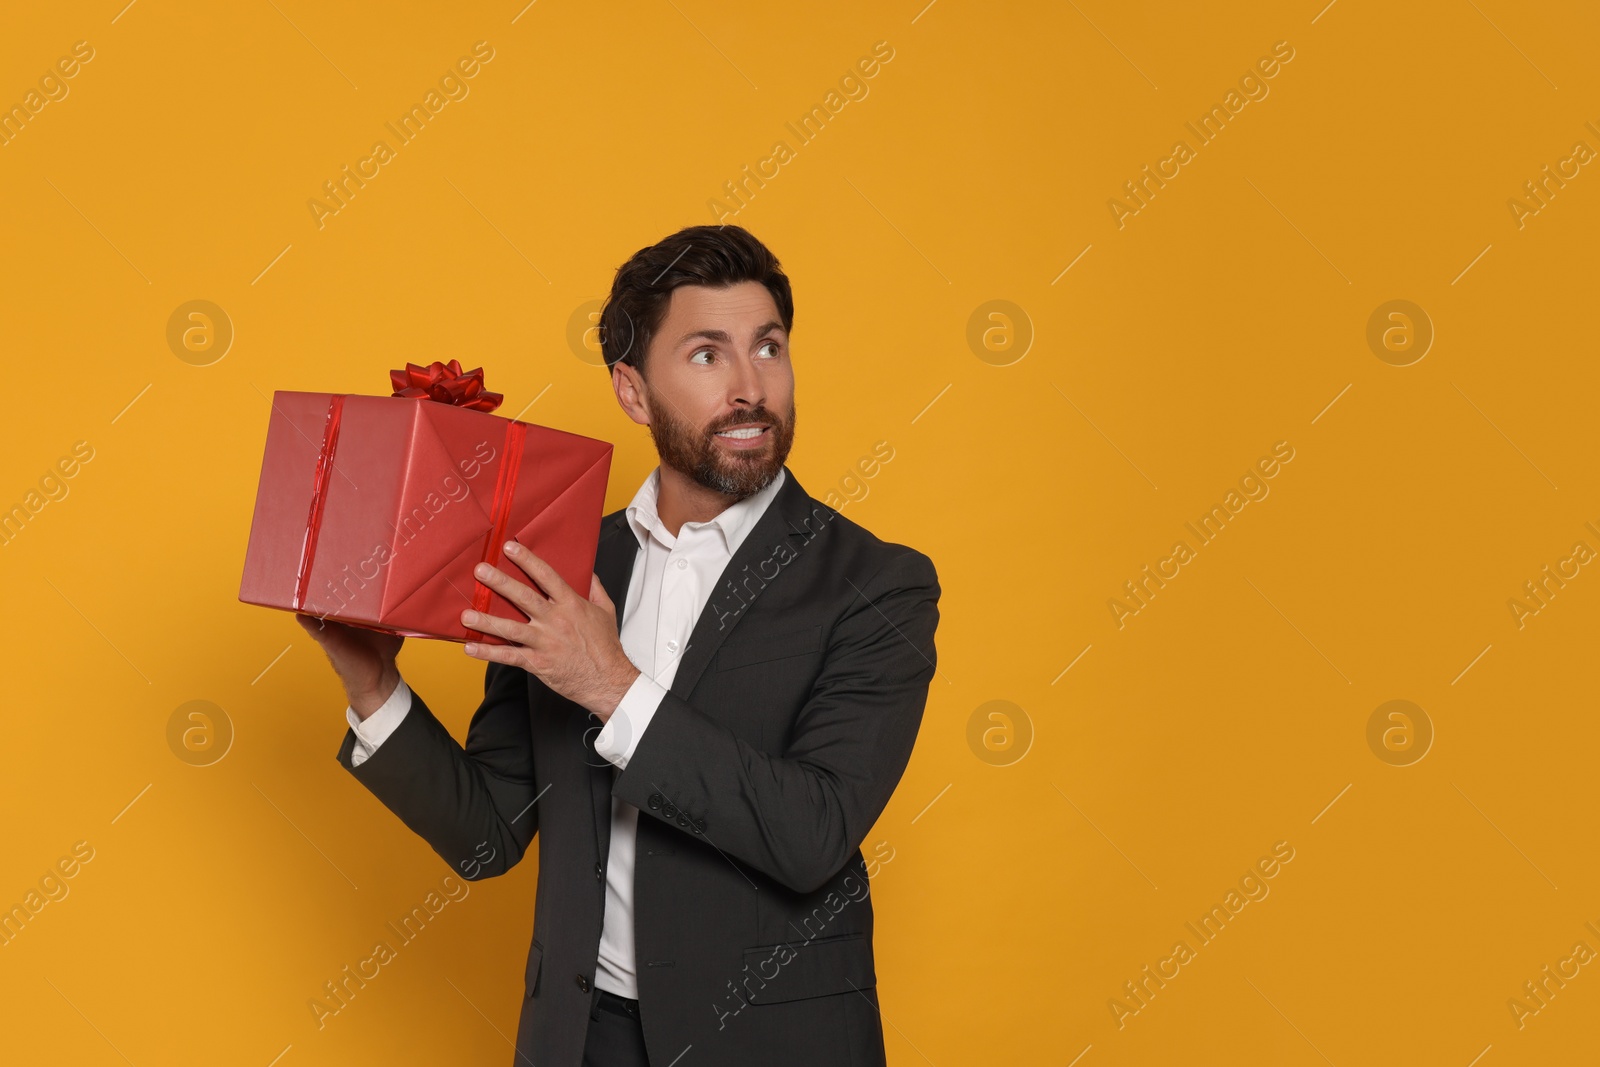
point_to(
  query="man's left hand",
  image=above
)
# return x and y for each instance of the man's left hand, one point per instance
(569, 642)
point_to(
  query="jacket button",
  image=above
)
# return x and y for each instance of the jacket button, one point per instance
(700, 827)
(600, 872)
(654, 801)
(683, 820)
(668, 810)
(583, 983)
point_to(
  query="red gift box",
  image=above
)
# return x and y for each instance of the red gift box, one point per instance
(374, 510)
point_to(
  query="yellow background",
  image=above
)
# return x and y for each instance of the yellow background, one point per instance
(1227, 315)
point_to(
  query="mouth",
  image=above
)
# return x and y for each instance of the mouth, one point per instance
(749, 435)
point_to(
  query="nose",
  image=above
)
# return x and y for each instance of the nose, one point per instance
(746, 386)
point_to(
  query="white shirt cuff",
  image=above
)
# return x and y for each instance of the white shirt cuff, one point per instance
(375, 728)
(628, 723)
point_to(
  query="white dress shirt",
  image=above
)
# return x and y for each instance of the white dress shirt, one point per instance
(672, 579)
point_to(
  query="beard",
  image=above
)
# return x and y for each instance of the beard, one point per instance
(693, 451)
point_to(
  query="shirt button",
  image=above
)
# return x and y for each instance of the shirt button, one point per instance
(672, 646)
(682, 563)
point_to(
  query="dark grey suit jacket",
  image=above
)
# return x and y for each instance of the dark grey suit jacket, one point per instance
(787, 727)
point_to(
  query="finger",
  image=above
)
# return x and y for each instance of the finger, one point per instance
(554, 586)
(598, 594)
(507, 654)
(519, 633)
(531, 601)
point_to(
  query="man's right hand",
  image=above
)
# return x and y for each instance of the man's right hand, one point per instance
(363, 659)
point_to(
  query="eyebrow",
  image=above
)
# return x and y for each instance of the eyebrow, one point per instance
(722, 335)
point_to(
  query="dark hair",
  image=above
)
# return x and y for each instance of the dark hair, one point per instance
(717, 256)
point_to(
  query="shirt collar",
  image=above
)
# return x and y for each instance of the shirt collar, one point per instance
(735, 521)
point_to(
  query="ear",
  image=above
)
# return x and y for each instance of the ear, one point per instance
(630, 388)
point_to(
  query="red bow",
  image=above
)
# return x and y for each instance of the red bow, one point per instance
(446, 383)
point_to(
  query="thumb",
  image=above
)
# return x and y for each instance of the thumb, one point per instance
(597, 593)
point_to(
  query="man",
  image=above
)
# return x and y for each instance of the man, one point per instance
(700, 776)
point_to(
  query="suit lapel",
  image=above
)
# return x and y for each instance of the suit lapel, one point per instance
(753, 567)
(788, 520)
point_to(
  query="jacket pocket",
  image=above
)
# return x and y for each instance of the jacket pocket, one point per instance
(764, 649)
(531, 975)
(796, 970)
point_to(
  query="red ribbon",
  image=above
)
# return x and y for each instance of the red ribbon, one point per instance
(445, 383)
(319, 498)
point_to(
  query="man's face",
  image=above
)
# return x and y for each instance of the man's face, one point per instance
(719, 365)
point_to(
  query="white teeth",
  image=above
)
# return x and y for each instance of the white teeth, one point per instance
(742, 433)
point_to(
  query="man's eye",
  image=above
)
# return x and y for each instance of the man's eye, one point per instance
(702, 352)
(776, 348)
